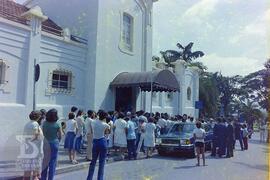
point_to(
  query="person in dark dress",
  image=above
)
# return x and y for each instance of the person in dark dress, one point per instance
(215, 139)
(238, 135)
(221, 137)
(229, 138)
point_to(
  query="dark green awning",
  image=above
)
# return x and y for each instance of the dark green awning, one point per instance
(162, 80)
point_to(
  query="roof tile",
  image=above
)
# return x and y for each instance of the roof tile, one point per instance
(12, 11)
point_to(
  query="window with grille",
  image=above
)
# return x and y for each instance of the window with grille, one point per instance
(127, 31)
(61, 80)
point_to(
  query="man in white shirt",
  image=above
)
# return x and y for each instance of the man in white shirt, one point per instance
(89, 134)
(162, 124)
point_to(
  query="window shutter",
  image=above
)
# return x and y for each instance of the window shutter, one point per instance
(3, 67)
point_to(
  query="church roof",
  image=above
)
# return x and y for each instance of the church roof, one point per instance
(12, 11)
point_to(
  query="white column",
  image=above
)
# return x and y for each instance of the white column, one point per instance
(196, 87)
(180, 75)
(36, 17)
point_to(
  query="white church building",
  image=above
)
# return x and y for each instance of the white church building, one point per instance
(90, 53)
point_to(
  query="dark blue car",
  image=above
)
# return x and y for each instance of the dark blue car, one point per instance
(179, 139)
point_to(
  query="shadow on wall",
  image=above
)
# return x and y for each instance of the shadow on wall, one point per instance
(107, 103)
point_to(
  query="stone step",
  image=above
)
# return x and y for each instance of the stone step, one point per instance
(8, 168)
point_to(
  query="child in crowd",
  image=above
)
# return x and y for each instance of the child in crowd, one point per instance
(63, 125)
(109, 137)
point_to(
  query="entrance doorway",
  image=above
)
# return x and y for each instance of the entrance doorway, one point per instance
(125, 99)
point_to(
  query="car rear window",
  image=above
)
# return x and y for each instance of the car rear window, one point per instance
(182, 128)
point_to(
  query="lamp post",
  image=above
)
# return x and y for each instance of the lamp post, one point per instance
(151, 103)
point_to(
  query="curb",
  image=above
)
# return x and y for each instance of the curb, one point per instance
(65, 169)
(83, 165)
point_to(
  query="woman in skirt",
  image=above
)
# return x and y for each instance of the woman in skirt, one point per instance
(33, 134)
(149, 138)
(120, 136)
(199, 135)
(71, 130)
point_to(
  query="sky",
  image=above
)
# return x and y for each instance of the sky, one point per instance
(233, 34)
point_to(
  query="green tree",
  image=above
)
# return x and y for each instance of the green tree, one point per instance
(209, 94)
(229, 89)
(257, 84)
(250, 111)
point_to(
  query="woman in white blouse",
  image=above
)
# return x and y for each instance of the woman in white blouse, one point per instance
(120, 133)
(149, 138)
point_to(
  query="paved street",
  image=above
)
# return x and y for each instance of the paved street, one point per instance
(246, 165)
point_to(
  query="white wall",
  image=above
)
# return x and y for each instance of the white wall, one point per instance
(14, 46)
(187, 77)
(51, 52)
(100, 22)
(57, 54)
(111, 59)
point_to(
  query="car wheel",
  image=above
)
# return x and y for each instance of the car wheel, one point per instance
(161, 152)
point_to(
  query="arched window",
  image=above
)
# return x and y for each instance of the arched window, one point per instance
(189, 93)
(127, 31)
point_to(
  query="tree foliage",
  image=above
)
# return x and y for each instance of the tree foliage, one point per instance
(209, 94)
(228, 90)
(257, 85)
(185, 54)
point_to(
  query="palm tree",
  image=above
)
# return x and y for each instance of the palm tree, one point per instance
(250, 111)
(185, 54)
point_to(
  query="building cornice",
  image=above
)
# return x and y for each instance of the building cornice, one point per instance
(15, 24)
(35, 12)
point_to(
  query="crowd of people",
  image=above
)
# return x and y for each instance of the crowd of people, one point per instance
(104, 132)
(225, 135)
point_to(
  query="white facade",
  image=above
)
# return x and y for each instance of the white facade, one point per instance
(182, 102)
(101, 23)
(89, 68)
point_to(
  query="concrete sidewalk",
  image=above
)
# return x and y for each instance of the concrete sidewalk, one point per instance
(8, 169)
